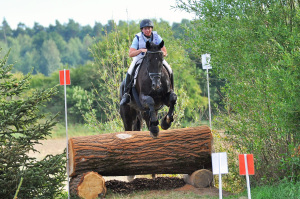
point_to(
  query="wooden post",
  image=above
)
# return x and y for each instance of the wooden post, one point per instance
(176, 151)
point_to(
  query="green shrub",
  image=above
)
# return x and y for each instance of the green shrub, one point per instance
(255, 50)
(20, 129)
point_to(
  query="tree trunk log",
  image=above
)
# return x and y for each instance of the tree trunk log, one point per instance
(176, 151)
(200, 179)
(88, 186)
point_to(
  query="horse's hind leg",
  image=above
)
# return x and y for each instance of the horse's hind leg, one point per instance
(127, 117)
(138, 122)
(168, 119)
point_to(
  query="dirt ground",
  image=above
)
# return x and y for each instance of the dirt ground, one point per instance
(123, 184)
(160, 183)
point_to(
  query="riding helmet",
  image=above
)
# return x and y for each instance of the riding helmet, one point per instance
(146, 23)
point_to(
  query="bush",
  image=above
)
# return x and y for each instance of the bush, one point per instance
(256, 52)
(20, 129)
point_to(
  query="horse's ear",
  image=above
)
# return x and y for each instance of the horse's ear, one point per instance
(147, 44)
(162, 43)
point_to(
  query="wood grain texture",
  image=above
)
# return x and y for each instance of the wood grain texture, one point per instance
(200, 179)
(175, 151)
(88, 185)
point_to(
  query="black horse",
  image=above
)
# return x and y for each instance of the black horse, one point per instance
(153, 89)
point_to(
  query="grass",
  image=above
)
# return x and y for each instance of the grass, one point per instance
(281, 190)
(59, 131)
(157, 195)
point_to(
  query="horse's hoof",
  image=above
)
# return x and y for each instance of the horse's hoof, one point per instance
(165, 124)
(154, 130)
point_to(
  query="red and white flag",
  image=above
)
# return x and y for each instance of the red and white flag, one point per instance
(62, 77)
(250, 163)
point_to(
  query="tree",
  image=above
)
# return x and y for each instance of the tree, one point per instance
(5, 30)
(97, 30)
(21, 30)
(87, 42)
(72, 30)
(59, 41)
(72, 55)
(38, 39)
(37, 28)
(14, 57)
(85, 31)
(28, 62)
(21, 127)
(255, 49)
(51, 55)
(110, 26)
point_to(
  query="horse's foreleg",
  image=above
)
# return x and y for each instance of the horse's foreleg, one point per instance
(168, 119)
(148, 102)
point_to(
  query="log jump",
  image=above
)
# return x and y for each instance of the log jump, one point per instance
(175, 151)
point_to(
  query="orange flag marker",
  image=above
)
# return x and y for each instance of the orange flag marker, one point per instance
(61, 77)
(250, 162)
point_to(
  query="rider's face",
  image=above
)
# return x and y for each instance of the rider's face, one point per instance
(147, 31)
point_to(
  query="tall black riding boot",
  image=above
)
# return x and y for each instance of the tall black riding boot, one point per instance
(126, 97)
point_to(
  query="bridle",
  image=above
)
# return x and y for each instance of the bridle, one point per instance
(153, 75)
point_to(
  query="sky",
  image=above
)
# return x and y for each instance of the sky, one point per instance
(87, 12)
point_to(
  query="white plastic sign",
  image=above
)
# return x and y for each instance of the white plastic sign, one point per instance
(205, 61)
(219, 163)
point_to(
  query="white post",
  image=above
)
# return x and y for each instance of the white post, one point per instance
(66, 119)
(209, 109)
(247, 176)
(220, 178)
(219, 167)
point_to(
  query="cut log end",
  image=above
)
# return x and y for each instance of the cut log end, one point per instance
(200, 178)
(91, 185)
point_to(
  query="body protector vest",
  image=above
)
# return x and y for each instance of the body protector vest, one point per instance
(142, 42)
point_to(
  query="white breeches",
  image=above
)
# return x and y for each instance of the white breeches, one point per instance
(168, 67)
(135, 60)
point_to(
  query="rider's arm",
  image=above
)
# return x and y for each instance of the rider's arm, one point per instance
(164, 51)
(134, 52)
(133, 48)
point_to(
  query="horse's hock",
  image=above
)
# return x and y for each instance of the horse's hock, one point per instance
(175, 151)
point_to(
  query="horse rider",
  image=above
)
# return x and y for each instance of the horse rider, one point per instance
(137, 51)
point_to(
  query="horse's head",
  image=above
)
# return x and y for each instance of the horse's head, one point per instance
(154, 60)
